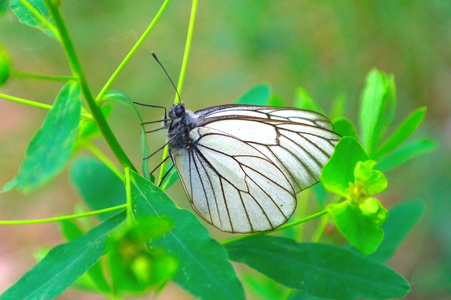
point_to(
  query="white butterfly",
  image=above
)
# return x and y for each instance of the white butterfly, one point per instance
(242, 165)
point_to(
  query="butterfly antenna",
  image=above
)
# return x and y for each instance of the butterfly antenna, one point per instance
(169, 77)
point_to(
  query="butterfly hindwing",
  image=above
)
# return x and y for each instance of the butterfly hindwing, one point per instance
(232, 184)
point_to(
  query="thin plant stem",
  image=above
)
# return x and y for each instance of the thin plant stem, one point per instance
(128, 197)
(25, 101)
(61, 218)
(36, 104)
(287, 225)
(41, 18)
(100, 155)
(27, 75)
(323, 223)
(133, 50)
(189, 38)
(77, 71)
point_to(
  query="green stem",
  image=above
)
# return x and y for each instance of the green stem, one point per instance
(189, 38)
(323, 223)
(25, 101)
(128, 197)
(68, 217)
(77, 71)
(36, 104)
(41, 18)
(287, 225)
(20, 74)
(100, 155)
(133, 50)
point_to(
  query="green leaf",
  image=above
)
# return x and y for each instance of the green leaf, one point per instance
(88, 129)
(261, 286)
(204, 267)
(93, 279)
(5, 64)
(300, 295)
(99, 187)
(3, 6)
(339, 171)
(400, 221)
(171, 178)
(120, 97)
(377, 108)
(338, 107)
(402, 133)
(404, 153)
(69, 230)
(134, 267)
(321, 270)
(64, 264)
(51, 146)
(276, 100)
(260, 94)
(344, 127)
(36, 15)
(303, 100)
(360, 223)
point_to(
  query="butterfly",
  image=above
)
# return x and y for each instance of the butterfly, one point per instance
(241, 166)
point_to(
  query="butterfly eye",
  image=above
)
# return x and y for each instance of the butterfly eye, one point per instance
(179, 111)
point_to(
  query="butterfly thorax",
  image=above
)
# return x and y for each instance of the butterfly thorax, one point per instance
(179, 126)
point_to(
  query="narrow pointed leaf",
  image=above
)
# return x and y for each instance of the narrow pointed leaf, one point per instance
(51, 146)
(257, 95)
(402, 133)
(400, 221)
(377, 108)
(406, 152)
(303, 100)
(29, 16)
(321, 270)
(204, 267)
(63, 264)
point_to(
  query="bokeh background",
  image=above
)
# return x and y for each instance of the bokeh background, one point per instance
(326, 47)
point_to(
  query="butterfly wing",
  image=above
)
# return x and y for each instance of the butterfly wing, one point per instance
(299, 142)
(267, 112)
(232, 184)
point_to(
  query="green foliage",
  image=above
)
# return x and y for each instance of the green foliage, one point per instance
(51, 146)
(400, 221)
(258, 95)
(204, 268)
(155, 242)
(303, 100)
(5, 65)
(377, 108)
(33, 13)
(98, 186)
(321, 270)
(135, 268)
(402, 133)
(344, 127)
(407, 152)
(68, 261)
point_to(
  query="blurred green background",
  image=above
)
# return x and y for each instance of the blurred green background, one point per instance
(326, 47)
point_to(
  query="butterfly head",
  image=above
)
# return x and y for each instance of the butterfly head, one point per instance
(179, 126)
